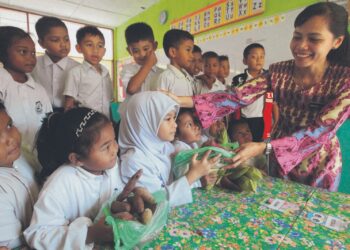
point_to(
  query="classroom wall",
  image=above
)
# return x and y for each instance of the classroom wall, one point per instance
(180, 8)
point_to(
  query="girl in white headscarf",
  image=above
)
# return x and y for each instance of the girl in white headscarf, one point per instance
(146, 130)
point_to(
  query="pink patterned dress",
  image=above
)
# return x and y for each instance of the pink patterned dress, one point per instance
(305, 146)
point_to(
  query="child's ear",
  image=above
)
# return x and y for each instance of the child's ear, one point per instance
(155, 45)
(244, 61)
(74, 158)
(172, 52)
(78, 48)
(41, 43)
(128, 50)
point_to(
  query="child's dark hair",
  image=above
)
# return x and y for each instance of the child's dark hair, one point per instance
(210, 54)
(9, 35)
(44, 24)
(196, 49)
(173, 38)
(251, 46)
(88, 30)
(74, 131)
(233, 125)
(191, 112)
(223, 58)
(337, 24)
(138, 31)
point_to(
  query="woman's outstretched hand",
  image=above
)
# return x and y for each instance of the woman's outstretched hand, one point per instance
(183, 101)
(245, 152)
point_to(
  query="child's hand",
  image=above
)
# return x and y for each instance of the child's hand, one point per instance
(151, 59)
(199, 168)
(100, 233)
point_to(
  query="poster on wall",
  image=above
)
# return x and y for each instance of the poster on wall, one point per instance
(218, 14)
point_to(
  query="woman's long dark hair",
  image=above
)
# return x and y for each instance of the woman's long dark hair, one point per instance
(337, 23)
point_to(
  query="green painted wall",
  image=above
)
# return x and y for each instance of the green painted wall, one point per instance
(180, 8)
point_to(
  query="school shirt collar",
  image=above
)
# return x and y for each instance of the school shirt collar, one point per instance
(61, 63)
(249, 76)
(30, 81)
(87, 66)
(178, 73)
(87, 175)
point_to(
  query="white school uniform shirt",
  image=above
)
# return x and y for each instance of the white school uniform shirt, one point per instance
(67, 205)
(90, 88)
(26, 103)
(202, 88)
(131, 69)
(18, 193)
(256, 108)
(141, 148)
(52, 76)
(175, 81)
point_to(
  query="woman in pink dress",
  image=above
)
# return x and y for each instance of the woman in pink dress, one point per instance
(313, 95)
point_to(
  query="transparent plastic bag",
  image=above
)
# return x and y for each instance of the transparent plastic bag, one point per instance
(181, 161)
(128, 234)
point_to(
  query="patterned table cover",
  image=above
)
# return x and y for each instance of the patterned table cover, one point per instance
(223, 219)
(309, 232)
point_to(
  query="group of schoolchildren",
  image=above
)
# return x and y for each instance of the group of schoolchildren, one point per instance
(56, 135)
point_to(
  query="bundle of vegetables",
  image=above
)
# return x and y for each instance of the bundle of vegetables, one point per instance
(136, 215)
(242, 178)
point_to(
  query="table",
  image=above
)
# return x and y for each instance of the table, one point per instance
(223, 219)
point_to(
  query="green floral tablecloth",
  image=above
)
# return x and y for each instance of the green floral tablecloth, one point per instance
(310, 231)
(223, 219)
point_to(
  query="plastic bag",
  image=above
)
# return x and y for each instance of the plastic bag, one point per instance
(128, 234)
(182, 160)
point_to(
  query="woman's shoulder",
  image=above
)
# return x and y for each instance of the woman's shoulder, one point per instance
(282, 66)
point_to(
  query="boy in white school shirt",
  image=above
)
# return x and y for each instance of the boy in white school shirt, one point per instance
(52, 67)
(89, 84)
(208, 82)
(178, 46)
(18, 190)
(142, 74)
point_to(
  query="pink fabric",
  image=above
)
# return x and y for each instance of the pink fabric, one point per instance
(304, 142)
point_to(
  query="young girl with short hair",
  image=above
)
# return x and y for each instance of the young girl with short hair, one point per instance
(147, 128)
(78, 152)
(26, 101)
(18, 190)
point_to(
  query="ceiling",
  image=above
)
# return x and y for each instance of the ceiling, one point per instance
(103, 13)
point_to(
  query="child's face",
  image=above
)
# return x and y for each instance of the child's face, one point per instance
(197, 63)
(10, 141)
(21, 56)
(188, 131)
(93, 49)
(56, 43)
(216, 128)
(141, 50)
(182, 56)
(167, 127)
(211, 67)
(242, 134)
(224, 69)
(103, 154)
(255, 59)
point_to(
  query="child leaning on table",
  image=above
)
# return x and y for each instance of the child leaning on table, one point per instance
(78, 152)
(147, 128)
(18, 190)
